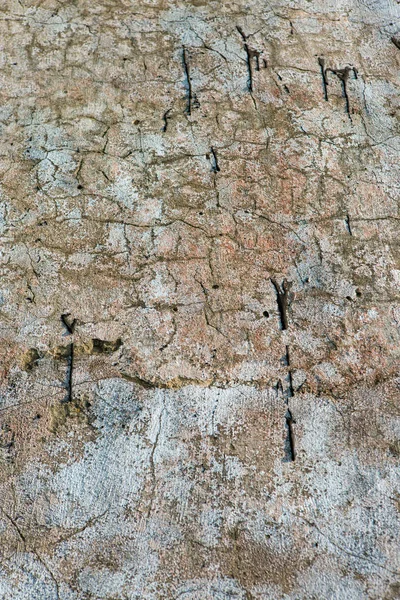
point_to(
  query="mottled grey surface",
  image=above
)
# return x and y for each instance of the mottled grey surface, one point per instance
(199, 301)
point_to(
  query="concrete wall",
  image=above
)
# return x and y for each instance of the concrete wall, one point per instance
(199, 308)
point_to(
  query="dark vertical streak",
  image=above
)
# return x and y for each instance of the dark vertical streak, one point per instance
(343, 75)
(348, 226)
(69, 326)
(289, 424)
(291, 391)
(289, 417)
(248, 58)
(188, 81)
(290, 451)
(282, 300)
(321, 63)
(255, 54)
(70, 366)
(345, 93)
(279, 387)
(215, 166)
(165, 119)
(396, 41)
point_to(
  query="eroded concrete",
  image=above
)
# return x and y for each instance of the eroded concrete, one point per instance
(199, 303)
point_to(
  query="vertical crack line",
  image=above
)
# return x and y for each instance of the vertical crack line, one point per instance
(248, 58)
(289, 417)
(185, 58)
(215, 166)
(343, 76)
(348, 226)
(321, 63)
(289, 424)
(70, 327)
(70, 366)
(282, 300)
(290, 452)
(165, 119)
(290, 378)
(256, 55)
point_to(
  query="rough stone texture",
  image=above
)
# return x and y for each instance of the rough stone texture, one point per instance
(199, 299)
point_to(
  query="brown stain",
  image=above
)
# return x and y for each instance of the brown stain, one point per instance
(61, 413)
(241, 559)
(393, 591)
(251, 563)
(394, 448)
(95, 346)
(29, 359)
(175, 383)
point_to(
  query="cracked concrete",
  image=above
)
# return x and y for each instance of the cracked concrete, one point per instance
(199, 309)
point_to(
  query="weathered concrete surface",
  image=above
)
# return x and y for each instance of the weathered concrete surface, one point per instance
(199, 299)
